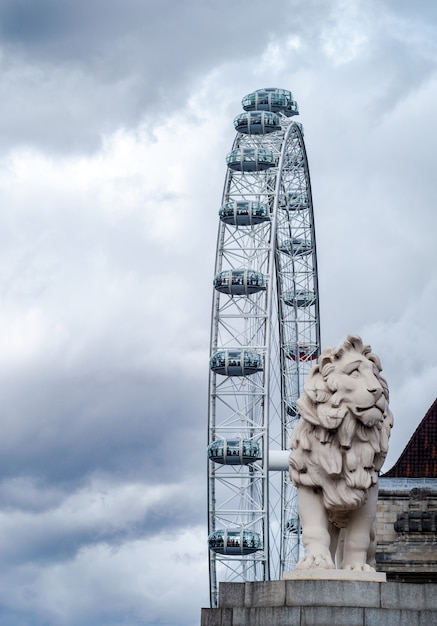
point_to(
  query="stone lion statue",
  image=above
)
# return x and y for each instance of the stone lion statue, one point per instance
(337, 449)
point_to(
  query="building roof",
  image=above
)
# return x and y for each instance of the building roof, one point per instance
(419, 458)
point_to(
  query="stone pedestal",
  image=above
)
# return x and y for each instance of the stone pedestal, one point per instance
(335, 574)
(323, 603)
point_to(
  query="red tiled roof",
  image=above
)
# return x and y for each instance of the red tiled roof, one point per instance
(419, 459)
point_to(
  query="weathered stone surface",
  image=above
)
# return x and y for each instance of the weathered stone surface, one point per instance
(241, 616)
(427, 618)
(227, 618)
(265, 593)
(216, 617)
(331, 616)
(406, 596)
(393, 617)
(265, 616)
(324, 603)
(332, 593)
(231, 594)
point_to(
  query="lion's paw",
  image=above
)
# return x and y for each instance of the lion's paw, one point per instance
(359, 567)
(316, 561)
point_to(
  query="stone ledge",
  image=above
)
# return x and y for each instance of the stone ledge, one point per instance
(428, 618)
(265, 594)
(324, 603)
(232, 594)
(265, 616)
(300, 593)
(329, 593)
(421, 597)
(394, 617)
(335, 574)
(316, 616)
(332, 615)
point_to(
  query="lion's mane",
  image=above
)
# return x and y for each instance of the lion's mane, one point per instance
(331, 449)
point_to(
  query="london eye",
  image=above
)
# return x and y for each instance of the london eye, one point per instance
(265, 336)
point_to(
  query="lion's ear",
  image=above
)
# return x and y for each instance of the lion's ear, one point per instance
(354, 342)
(373, 358)
(326, 364)
(315, 386)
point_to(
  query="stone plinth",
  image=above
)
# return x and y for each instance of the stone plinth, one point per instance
(335, 574)
(323, 603)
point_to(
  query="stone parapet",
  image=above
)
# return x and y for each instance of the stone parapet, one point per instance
(323, 603)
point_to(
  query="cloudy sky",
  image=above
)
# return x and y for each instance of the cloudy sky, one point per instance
(116, 117)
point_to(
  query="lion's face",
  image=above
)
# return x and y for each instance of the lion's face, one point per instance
(356, 387)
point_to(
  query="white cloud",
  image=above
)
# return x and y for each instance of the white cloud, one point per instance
(97, 511)
(160, 580)
(345, 35)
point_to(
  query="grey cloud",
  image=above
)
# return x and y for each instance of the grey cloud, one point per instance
(74, 72)
(75, 31)
(95, 514)
(61, 429)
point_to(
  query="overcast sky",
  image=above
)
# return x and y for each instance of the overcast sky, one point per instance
(116, 117)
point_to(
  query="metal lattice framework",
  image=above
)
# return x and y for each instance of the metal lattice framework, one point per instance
(264, 336)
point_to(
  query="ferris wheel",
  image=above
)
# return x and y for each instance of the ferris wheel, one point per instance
(265, 335)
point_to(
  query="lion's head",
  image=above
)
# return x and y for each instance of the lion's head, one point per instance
(342, 439)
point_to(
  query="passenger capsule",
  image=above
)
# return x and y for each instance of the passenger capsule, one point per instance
(271, 99)
(244, 212)
(301, 352)
(294, 201)
(291, 409)
(295, 247)
(250, 159)
(298, 125)
(234, 541)
(236, 362)
(257, 122)
(242, 282)
(293, 526)
(299, 298)
(236, 451)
